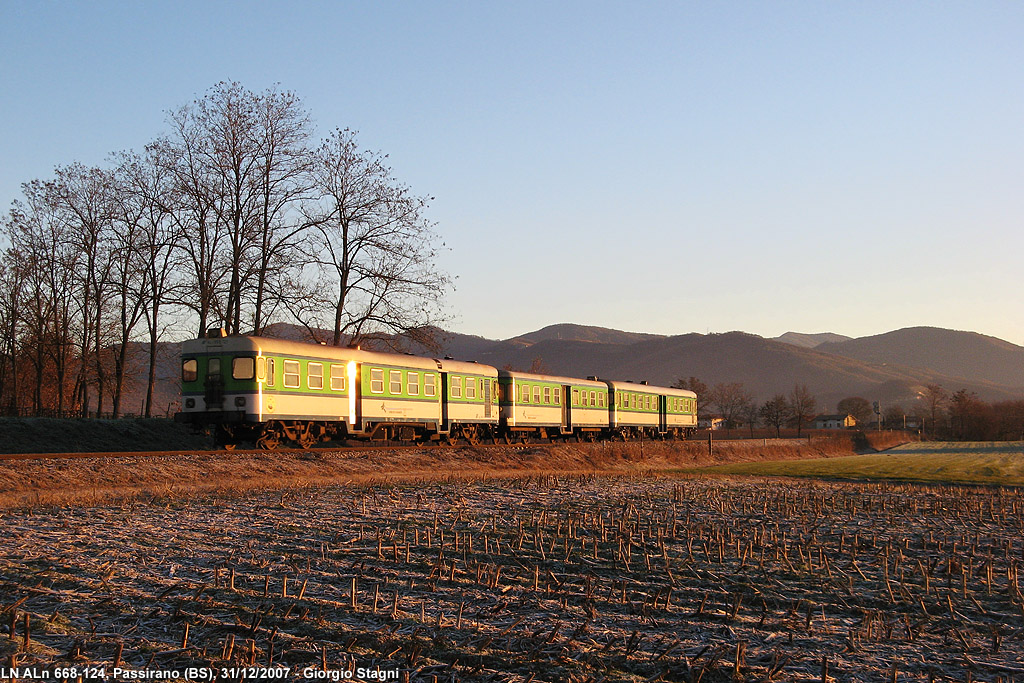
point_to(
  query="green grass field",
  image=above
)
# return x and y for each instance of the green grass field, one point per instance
(998, 463)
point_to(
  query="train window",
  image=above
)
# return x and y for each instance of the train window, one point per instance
(270, 371)
(593, 398)
(471, 387)
(315, 375)
(429, 385)
(547, 395)
(189, 370)
(213, 366)
(337, 378)
(243, 367)
(261, 368)
(575, 397)
(376, 380)
(600, 400)
(395, 381)
(558, 396)
(456, 389)
(525, 393)
(536, 394)
(413, 384)
(291, 374)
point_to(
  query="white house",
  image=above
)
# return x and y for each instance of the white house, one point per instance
(835, 422)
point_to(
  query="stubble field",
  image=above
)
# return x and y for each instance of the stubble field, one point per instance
(539, 578)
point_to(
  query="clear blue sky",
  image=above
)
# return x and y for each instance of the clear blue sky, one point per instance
(665, 167)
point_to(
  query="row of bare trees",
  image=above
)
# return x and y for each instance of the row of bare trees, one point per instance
(960, 415)
(731, 402)
(936, 413)
(236, 217)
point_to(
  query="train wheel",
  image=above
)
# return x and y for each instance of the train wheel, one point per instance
(269, 440)
(471, 434)
(224, 438)
(307, 437)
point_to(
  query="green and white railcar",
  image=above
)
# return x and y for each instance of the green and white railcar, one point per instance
(272, 390)
(551, 406)
(644, 409)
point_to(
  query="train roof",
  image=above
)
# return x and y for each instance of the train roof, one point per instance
(337, 353)
(554, 379)
(666, 391)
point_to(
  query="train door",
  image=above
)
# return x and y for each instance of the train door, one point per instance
(486, 381)
(663, 414)
(355, 396)
(566, 409)
(444, 426)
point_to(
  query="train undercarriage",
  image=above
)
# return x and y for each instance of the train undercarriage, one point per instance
(303, 434)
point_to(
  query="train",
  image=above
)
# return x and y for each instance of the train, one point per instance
(279, 393)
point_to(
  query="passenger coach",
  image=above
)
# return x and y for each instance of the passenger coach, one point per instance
(640, 408)
(551, 406)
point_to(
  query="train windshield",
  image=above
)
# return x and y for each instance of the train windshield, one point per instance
(189, 370)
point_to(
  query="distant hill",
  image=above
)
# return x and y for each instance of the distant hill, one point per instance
(584, 333)
(950, 352)
(810, 341)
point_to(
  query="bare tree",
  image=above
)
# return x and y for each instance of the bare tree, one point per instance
(801, 406)
(13, 300)
(751, 413)
(859, 407)
(775, 412)
(730, 400)
(83, 199)
(51, 308)
(374, 249)
(935, 399)
(242, 160)
(147, 183)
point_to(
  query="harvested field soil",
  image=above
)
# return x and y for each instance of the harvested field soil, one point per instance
(537, 578)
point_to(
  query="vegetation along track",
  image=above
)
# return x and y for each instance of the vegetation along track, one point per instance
(388, 446)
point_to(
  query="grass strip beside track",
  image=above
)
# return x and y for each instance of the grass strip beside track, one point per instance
(999, 464)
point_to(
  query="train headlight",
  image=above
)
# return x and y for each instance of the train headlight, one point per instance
(190, 403)
(239, 401)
